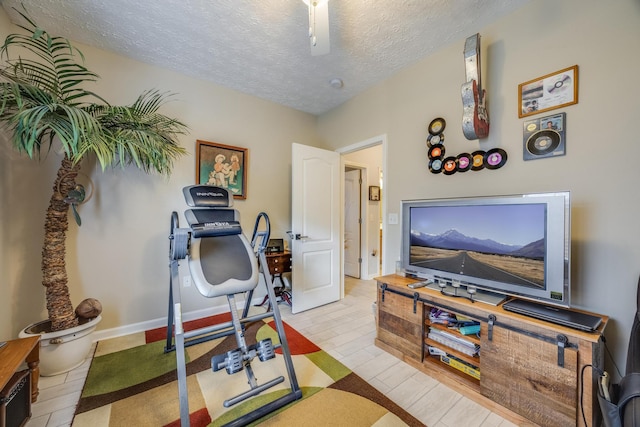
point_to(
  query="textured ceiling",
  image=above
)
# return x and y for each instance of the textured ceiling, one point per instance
(261, 47)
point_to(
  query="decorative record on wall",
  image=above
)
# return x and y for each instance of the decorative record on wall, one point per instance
(495, 158)
(449, 165)
(437, 125)
(544, 137)
(435, 140)
(435, 166)
(464, 162)
(436, 152)
(478, 160)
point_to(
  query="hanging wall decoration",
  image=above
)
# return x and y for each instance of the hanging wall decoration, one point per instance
(544, 137)
(435, 144)
(439, 162)
(475, 118)
(223, 166)
(555, 90)
(374, 193)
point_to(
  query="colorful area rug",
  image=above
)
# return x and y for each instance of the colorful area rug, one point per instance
(132, 382)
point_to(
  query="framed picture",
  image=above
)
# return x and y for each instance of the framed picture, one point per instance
(223, 166)
(555, 90)
(374, 193)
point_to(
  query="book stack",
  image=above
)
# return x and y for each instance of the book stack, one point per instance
(461, 365)
(453, 341)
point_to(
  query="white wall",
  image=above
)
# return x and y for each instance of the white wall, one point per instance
(599, 167)
(120, 254)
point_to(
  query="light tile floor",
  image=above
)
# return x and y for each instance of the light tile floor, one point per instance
(346, 330)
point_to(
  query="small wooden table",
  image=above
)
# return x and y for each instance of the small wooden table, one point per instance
(13, 354)
(278, 263)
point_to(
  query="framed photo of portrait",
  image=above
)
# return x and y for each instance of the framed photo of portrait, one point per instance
(555, 90)
(223, 166)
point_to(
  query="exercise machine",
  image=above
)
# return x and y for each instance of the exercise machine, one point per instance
(224, 263)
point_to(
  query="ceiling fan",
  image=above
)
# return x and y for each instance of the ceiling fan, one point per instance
(318, 26)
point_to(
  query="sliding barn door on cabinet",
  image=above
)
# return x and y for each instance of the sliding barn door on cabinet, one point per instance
(523, 373)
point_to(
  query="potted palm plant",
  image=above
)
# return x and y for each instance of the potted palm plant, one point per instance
(43, 103)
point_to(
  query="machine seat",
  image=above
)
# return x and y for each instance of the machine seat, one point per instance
(223, 265)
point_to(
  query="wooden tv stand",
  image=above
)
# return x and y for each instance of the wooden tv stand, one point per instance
(529, 371)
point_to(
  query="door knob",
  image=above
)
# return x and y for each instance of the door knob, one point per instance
(296, 236)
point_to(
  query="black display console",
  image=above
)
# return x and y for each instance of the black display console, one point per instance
(558, 315)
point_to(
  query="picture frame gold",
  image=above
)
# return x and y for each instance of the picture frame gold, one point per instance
(223, 166)
(549, 92)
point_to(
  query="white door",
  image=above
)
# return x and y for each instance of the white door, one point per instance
(352, 223)
(315, 223)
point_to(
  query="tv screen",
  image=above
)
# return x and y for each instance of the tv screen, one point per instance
(516, 245)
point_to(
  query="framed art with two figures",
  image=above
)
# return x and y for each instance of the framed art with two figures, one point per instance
(223, 166)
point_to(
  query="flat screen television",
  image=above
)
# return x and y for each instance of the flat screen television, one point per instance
(514, 245)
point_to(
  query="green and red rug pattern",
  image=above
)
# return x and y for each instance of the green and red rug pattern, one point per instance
(132, 382)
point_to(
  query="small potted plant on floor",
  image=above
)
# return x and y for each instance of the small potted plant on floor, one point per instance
(43, 103)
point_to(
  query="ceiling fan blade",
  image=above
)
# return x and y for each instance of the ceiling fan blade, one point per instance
(319, 20)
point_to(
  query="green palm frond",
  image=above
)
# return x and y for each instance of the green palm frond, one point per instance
(136, 134)
(35, 117)
(40, 92)
(42, 97)
(52, 66)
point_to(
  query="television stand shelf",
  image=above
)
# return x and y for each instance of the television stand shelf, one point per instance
(526, 370)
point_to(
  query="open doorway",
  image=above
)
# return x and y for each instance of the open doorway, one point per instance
(354, 226)
(363, 228)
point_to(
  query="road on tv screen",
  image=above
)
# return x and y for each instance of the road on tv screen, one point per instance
(462, 263)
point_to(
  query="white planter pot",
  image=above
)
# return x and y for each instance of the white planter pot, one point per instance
(62, 351)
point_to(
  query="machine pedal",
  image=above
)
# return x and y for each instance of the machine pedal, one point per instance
(231, 361)
(265, 350)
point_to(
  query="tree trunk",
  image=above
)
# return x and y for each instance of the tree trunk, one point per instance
(54, 271)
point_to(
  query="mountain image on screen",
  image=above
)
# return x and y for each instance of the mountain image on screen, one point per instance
(453, 239)
(455, 252)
